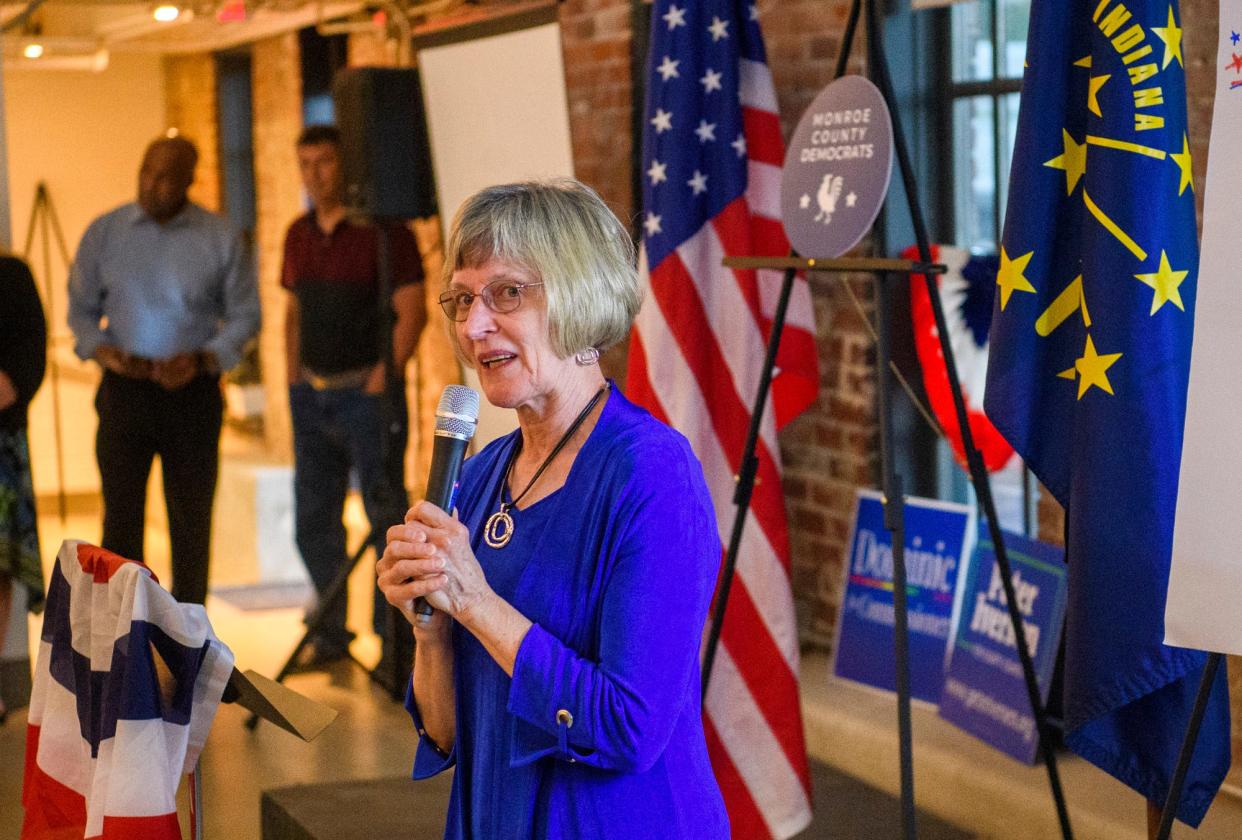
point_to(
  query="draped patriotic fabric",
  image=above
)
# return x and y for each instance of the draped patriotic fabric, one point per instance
(967, 290)
(105, 751)
(712, 156)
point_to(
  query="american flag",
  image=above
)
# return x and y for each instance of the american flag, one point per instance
(105, 751)
(712, 156)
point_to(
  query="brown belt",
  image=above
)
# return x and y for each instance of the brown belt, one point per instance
(337, 381)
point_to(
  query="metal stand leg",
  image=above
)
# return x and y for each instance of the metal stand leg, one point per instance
(978, 473)
(1188, 746)
(895, 523)
(196, 800)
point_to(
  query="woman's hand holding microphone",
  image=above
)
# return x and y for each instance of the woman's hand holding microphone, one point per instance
(429, 556)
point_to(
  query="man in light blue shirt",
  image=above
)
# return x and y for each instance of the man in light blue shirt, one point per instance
(163, 295)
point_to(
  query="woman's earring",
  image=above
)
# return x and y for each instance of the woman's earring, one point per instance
(587, 357)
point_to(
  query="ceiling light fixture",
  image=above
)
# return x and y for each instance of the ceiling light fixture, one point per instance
(33, 51)
(166, 13)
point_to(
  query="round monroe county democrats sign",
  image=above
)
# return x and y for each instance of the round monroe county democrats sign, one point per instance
(837, 169)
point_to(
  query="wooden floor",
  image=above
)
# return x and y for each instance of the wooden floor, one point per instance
(400, 809)
(353, 781)
(958, 778)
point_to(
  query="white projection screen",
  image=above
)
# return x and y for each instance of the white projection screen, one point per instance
(496, 113)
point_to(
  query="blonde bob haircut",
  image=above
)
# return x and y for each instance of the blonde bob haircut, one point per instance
(561, 232)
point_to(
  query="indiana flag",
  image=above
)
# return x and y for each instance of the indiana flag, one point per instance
(1202, 610)
(1090, 350)
(712, 156)
(105, 748)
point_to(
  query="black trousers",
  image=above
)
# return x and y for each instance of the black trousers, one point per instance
(137, 421)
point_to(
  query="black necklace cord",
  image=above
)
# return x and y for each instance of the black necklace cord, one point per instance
(556, 450)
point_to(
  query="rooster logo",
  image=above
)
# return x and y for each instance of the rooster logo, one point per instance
(829, 190)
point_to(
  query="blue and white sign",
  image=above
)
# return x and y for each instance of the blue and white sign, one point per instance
(984, 690)
(936, 541)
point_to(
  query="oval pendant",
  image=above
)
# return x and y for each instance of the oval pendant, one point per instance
(499, 529)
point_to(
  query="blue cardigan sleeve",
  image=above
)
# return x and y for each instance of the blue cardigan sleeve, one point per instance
(619, 712)
(429, 759)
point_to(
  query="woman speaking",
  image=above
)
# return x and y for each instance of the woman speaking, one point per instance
(560, 669)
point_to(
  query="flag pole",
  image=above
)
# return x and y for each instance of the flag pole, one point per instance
(1188, 746)
(878, 64)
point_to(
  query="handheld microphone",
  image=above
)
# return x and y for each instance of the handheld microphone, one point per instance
(457, 417)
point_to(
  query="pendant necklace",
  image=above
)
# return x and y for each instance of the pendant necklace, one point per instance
(499, 528)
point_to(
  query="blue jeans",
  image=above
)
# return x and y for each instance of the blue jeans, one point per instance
(334, 431)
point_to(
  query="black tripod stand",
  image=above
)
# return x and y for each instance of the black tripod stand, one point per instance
(393, 671)
(885, 271)
(46, 223)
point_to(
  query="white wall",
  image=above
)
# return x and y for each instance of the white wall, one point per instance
(82, 134)
(496, 113)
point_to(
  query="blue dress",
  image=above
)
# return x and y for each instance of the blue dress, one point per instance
(599, 733)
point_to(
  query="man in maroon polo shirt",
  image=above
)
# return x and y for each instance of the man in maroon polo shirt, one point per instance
(333, 342)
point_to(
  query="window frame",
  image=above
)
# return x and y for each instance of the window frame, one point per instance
(997, 88)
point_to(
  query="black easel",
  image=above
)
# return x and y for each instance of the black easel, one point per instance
(43, 219)
(400, 644)
(1187, 752)
(974, 459)
(893, 499)
(335, 591)
(393, 673)
(978, 472)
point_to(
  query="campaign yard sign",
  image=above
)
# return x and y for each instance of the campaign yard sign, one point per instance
(936, 539)
(984, 691)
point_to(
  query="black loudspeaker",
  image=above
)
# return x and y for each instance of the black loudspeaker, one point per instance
(385, 154)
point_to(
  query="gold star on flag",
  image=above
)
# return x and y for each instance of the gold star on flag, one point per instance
(1090, 370)
(1172, 37)
(1073, 160)
(1010, 276)
(1085, 61)
(1166, 282)
(1093, 93)
(1182, 159)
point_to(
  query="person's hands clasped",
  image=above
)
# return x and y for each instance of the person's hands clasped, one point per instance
(8, 391)
(121, 363)
(429, 556)
(176, 371)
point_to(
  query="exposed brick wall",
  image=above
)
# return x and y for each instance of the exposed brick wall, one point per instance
(803, 38)
(829, 452)
(276, 89)
(190, 106)
(597, 40)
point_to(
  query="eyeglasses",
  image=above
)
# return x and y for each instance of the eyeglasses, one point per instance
(499, 296)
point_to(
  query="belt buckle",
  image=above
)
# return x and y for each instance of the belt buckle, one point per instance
(332, 382)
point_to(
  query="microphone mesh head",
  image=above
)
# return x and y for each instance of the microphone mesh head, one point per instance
(458, 411)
